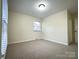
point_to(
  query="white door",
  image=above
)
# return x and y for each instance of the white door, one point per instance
(76, 29)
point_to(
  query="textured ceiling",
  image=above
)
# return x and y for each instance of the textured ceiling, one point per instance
(53, 6)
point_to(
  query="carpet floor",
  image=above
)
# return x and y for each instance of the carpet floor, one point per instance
(41, 49)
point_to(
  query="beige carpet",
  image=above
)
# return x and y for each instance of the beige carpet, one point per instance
(41, 49)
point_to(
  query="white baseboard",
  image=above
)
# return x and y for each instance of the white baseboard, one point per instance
(20, 41)
(57, 42)
(37, 39)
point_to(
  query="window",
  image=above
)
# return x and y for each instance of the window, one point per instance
(4, 36)
(36, 26)
(4, 27)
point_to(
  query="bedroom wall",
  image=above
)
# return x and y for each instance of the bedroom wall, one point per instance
(55, 27)
(20, 28)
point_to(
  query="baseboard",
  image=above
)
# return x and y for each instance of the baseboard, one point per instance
(57, 42)
(20, 41)
(38, 39)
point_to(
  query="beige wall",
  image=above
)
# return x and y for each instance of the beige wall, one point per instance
(55, 28)
(20, 28)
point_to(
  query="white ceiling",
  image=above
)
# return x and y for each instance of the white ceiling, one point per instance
(28, 7)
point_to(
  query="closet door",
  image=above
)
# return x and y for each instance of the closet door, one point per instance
(76, 29)
(4, 27)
